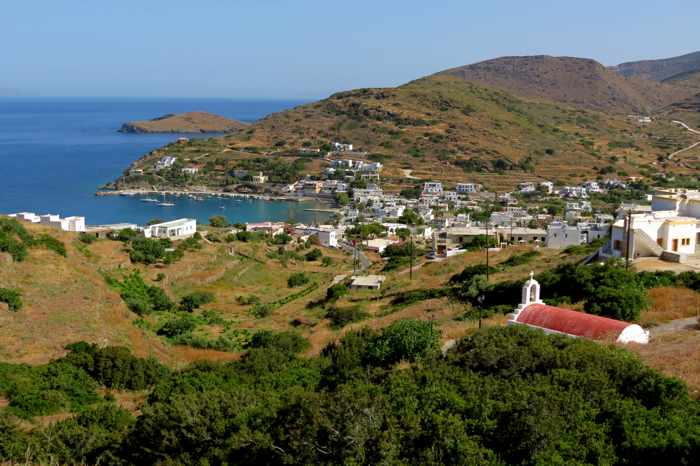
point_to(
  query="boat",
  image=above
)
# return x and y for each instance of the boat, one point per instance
(166, 204)
(148, 199)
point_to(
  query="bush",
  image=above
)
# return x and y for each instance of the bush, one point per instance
(261, 310)
(115, 366)
(86, 238)
(287, 342)
(342, 316)
(178, 326)
(337, 291)
(140, 297)
(51, 243)
(148, 250)
(14, 239)
(218, 221)
(405, 340)
(520, 259)
(326, 261)
(313, 255)
(297, 279)
(195, 300)
(11, 297)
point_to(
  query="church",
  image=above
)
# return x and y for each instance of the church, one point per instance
(534, 313)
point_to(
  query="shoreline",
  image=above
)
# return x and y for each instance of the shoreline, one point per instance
(209, 193)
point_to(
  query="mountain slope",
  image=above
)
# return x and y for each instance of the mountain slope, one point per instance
(578, 82)
(688, 80)
(441, 127)
(662, 69)
(190, 122)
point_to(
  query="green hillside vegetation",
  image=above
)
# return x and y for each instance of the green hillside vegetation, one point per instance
(501, 396)
(442, 128)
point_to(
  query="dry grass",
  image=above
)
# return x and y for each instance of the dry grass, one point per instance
(670, 303)
(676, 355)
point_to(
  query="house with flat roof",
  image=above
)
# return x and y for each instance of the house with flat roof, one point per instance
(176, 229)
(367, 282)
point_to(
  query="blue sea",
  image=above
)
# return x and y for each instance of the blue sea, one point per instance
(56, 152)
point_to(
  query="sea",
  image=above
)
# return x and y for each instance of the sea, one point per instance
(56, 152)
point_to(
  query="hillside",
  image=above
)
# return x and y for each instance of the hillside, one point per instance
(440, 127)
(190, 122)
(662, 69)
(688, 80)
(572, 81)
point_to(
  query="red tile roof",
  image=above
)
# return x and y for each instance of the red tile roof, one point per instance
(571, 322)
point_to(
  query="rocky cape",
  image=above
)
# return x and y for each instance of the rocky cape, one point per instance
(190, 122)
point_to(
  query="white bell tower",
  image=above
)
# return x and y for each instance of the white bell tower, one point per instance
(530, 294)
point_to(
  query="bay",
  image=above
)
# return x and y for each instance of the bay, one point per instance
(56, 152)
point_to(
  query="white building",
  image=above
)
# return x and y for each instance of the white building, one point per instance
(367, 282)
(367, 195)
(259, 178)
(65, 224)
(547, 186)
(592, 187)
(340, 147)
(432, 187)
(560, 235)
(527, 187)
(327, 235)
(175, 229)
(191, 169)
(29, 217)
(165, 162)
(467, 188)
(450, 196)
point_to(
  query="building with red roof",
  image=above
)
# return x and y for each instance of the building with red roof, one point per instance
(534, 313)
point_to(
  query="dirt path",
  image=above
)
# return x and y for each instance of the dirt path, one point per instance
(677, 325)
(692, 146)
(407, 174)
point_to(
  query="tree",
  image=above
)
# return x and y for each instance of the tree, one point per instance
(297, 279)
(471, 291)
(195, 300)
(336, 292)
(404, 340)
(410, 217)
(313, 255)
(218, 221)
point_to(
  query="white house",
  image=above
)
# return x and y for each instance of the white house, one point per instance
(533, 312)
(527, 187)
(560, 235)
(432, 187)
(467, 188)
(65, 224)
(175, 229)
(30, 217)
(192, 169)
(547, 186)
(367, 282)
(340, 147)
(259, 178)
(165, 162)
(592, 187)
(327, 235)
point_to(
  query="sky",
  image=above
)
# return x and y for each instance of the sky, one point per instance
(307, 49)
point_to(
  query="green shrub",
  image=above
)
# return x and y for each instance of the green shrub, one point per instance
(86, 238)
(405, 340)
(342, 316)
(177, 326)
(297, 279)
(218, 221)
(313, 255)
(287, 342)
(51, 243)
(115, 366)
(337, 291)
(13, 298)
(195, 300)
(140, 297)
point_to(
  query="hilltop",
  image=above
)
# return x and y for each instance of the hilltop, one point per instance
(190, 122)
(662, 69)
(578, 82)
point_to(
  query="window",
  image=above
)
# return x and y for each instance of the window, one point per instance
(617, 245)
(685, 241)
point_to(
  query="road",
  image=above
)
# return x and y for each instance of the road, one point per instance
(364, 261)
(692, 146)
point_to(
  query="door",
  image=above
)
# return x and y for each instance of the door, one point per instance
(675, 245)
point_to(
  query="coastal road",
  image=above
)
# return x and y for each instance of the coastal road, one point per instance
(692, 146)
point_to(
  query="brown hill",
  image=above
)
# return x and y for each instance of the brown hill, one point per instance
(689, 80)
(439, 127)
(578, 82)
(190, 122)
(662, 69)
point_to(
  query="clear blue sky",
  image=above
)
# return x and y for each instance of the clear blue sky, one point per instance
(309, 48)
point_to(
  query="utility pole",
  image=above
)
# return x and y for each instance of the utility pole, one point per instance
(628, 230)
(410, 270)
